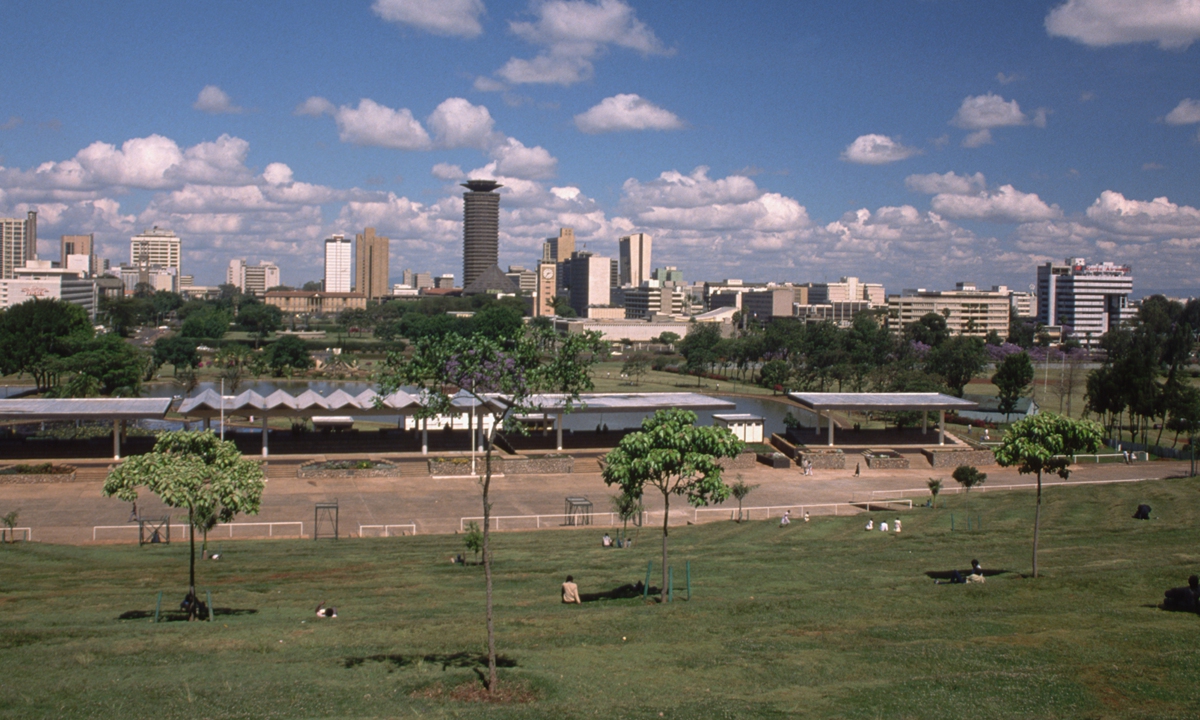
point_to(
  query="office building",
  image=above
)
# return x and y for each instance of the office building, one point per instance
(839, 313)
(445, 281)
(481, 228)
(591, 281)
(559, 249)
(524, 279)
(38, 280)
(651, 299)
(669, 274)
(153, 278)
(156, 247)
(338, 252)
(311, 302)
(18, 243)
(75, 247)
(1085, 300)
(251, 279)
(848, 289)
(968, 310)
(769, 303)
(371, 264)
(634, 254)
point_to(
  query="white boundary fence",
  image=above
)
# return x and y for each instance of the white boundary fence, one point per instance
(527, 522)
(4, 534)
(386, 530)
(186, 528)
(881, 495)
(766, 512)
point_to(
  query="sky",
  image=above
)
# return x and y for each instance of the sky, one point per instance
(914, 143)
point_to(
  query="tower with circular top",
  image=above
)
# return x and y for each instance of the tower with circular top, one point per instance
(481, 228)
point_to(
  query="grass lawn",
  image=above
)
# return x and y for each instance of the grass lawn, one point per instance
(607, 378)
(819, 619)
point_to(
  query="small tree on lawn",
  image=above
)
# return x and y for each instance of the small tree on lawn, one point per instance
(968, 477)
(627, 507)
(197, 471)
(675, 456)
(935, 487)
(505, 377)
(1044, 443)
(10, 521)
(474, 539)
(1012, 378)
(740, 490)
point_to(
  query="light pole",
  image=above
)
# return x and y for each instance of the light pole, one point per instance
(222, 409)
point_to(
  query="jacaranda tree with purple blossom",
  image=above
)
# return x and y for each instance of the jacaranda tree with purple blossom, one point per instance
(504, 377)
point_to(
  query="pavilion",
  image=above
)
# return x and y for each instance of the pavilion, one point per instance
(118, 410)
(883, 402)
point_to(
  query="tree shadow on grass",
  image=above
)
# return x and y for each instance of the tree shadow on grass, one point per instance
(624, 592)
(179, 615)
(949, 574)
(455, 660)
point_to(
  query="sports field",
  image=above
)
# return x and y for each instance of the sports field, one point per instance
(815, 620)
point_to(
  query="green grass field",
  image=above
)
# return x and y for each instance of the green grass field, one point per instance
(819, 619)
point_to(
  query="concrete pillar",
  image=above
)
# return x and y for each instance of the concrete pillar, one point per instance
(558, 428)
(208, 423)
(479, 435)
(924, 421)
(264, 434)
(424, 436)
(941, 427)
(830, 420)
(818, 414)
(116, 439)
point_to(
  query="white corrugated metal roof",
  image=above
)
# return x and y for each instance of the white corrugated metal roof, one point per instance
(84, 408)
(881, 401)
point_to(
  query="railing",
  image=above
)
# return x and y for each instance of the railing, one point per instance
(387, 529)
(130, 526)
(4, 534)
(613, 520)
(766, 511)
(187, 528)
(875, 495)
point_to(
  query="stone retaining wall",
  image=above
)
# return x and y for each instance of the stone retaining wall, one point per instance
(39, 478)
(781, 444)
(822, 459)
(885, 463)
(535, 465)
(314, 470)
(952, 458)
(744, 461)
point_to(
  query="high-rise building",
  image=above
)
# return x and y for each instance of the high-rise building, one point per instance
(155, 247)
(80, 245)
(968, 310)
(523, 278)
(371, 265)
(338, 252)
(445, 281)
(591, 281)
(481, 228)
(635, 259)
(1090, 300)
(252, 279)
(559, 249)
(37, 280)
(652, 299)
(848, 289)
(18, 243)
(547, 285)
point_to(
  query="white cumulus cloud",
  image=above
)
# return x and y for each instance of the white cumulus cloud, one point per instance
(951, 183)
(626, 111)
(1173, 24)
(315, 106)
(1005, 204)
(440, 17)
(982, 113)
(214, 101)
(876, 150)
(446, 171)
(456, 123)
(1147, 220)
(1186, 112)
(380, 126)
(513, 159)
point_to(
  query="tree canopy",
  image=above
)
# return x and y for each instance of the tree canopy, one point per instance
(1012, 379)
(37, 335)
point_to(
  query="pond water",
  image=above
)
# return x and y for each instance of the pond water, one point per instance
(771, 410)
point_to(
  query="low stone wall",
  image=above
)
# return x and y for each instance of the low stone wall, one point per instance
(886, 462)
(953, 457)
(781, 444)
(315, 470)
(822, 459)
(14, 479)
(536, 465)
(744, 461)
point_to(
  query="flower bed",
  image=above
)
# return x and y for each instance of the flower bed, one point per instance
(885, 460)
(42, 473)
(347, 469)
(775, 460)
(953, 457)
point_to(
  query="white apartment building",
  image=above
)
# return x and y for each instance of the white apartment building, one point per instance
(157, 277)
(339, 267)
(37, 279)
(848, 289)
(252, 279)
(634, 255)
(590, 281)
(652, 299)
(18, 243)
(155, 247)
(1089, 300)
(968, 310)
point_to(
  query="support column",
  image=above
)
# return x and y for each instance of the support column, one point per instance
(470, 432)
(116, 439)
(818, 414)
(924, 421)
(208, 423)
(558, 428)
(424, 436)
(479, 436)
(830, 420)
(941, 427)
(264, 434)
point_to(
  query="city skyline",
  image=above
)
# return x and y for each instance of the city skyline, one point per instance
(912, 144)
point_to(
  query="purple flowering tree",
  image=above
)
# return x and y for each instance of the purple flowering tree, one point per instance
(502, 376)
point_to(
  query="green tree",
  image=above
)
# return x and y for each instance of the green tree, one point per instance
(774, 374)
(668, 338)
(699, 348)
(288, 353)
(35, 334)
(260, 319)
(1046, 443)
(515, 369)
(562, 307)
(627, 507)
(968, 476)
(636, 365)
(929, 329)
(740, 490)
(176, 351)
(196, 471)
(473, 540)
(957, 360)
(1022, 332)
(207, 322)
(497, 321)
(116, 365)
(935, 489)
(10, 522)
(673, 455)
(1012, 379)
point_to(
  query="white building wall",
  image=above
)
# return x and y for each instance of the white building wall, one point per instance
(338, 266)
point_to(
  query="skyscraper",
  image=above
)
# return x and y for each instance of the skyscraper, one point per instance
(635, 259)
(155, 247)
(371, 264)
(1088, 299)
(18, 243)
(82, 247)
(338, 251)
(253, 279)
(481, 228)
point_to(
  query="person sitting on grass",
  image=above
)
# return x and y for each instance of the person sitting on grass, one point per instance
(786, 519)
(326, 612)
(606, 541)
(1183, 599)
(976, 575)
(570, 592)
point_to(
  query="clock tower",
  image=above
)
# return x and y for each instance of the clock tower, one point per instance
(543, 304)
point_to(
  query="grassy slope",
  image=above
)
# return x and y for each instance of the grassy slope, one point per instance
(820, 619)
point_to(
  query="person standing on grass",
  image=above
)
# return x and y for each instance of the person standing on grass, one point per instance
(786, 519)
(570, 592)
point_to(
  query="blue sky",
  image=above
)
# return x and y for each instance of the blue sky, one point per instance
(910, 143)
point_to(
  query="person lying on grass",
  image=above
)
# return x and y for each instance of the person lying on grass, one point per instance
(1183, 599)
(326, 612)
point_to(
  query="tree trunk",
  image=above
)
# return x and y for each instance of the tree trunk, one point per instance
(487, 558)
(192, 563)
(1037, 518)
(666, 519)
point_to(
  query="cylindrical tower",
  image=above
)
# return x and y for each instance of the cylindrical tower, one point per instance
(481, 228)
